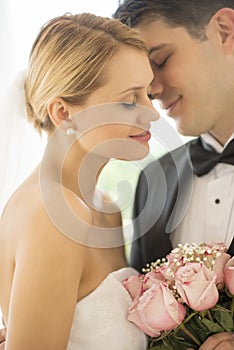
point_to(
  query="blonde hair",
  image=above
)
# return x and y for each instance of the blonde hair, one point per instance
(67, 61)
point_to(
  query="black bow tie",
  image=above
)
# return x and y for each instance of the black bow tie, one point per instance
(204, 160)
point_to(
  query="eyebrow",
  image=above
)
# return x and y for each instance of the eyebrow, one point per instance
(157, 48)
(134, 88)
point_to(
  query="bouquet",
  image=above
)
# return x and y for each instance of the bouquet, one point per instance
(183, 299)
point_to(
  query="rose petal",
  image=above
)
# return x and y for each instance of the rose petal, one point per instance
(229, 275)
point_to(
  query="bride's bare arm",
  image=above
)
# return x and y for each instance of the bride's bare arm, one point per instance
(48, 270)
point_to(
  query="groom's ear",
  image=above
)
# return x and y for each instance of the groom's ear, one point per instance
(58, 111)
(222, 24)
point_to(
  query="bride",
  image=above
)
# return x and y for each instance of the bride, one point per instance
(61, 246)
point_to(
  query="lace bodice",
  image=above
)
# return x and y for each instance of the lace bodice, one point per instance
(100, 318)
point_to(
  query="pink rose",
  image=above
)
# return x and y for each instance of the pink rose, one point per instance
(229, 275)
(134, 285)
(219, 268)
(157, 310)
(196, 285)
(152, 277)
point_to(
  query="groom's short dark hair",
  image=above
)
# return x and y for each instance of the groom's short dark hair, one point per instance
(193, 15)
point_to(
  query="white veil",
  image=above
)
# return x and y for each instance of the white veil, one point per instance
(21, 146)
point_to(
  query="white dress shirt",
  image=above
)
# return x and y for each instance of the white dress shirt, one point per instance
(210, 216)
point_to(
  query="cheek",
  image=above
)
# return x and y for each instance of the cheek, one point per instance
(103, 135)
(183, 71)
(180, 75)
(113, 131)
(172, 77)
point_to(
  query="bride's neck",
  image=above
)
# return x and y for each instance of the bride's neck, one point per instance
(81, 171)
(67, 163)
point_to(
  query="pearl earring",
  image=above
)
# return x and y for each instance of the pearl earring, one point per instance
(70, 131)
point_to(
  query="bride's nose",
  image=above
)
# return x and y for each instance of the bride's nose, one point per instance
(146, 115)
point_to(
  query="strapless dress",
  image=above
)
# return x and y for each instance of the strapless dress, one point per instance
(100, 318)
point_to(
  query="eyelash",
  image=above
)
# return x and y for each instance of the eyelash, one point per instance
(159, 66)
(128, 106)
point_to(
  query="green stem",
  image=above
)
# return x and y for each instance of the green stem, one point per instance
(232, 307)
(209, 315)
(190, 335)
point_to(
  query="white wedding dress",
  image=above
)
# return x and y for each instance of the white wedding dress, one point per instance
(100, 318)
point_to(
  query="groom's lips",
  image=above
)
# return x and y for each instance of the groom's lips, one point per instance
(170, 106)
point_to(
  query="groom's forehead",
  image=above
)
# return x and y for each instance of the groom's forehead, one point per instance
(158, 33)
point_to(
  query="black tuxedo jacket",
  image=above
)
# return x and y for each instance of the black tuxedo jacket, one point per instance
(162, 197)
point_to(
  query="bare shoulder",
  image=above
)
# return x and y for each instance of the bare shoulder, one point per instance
(31, 219)
(48, 267)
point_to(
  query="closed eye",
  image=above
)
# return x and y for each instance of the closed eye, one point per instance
(128, 106)
(161, 64)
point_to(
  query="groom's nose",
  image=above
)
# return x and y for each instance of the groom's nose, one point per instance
(157, 86)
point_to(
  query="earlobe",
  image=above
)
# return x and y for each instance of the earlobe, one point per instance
(225, 22)
(58, 111)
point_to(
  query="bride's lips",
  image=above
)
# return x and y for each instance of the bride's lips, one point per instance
(143, 137)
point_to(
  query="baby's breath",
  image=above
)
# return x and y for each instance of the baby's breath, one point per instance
(188, 253)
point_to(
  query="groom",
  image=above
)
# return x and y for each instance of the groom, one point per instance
(191, 49)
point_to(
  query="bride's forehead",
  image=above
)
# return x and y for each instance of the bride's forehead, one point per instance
(129, 66)
(127, 55)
